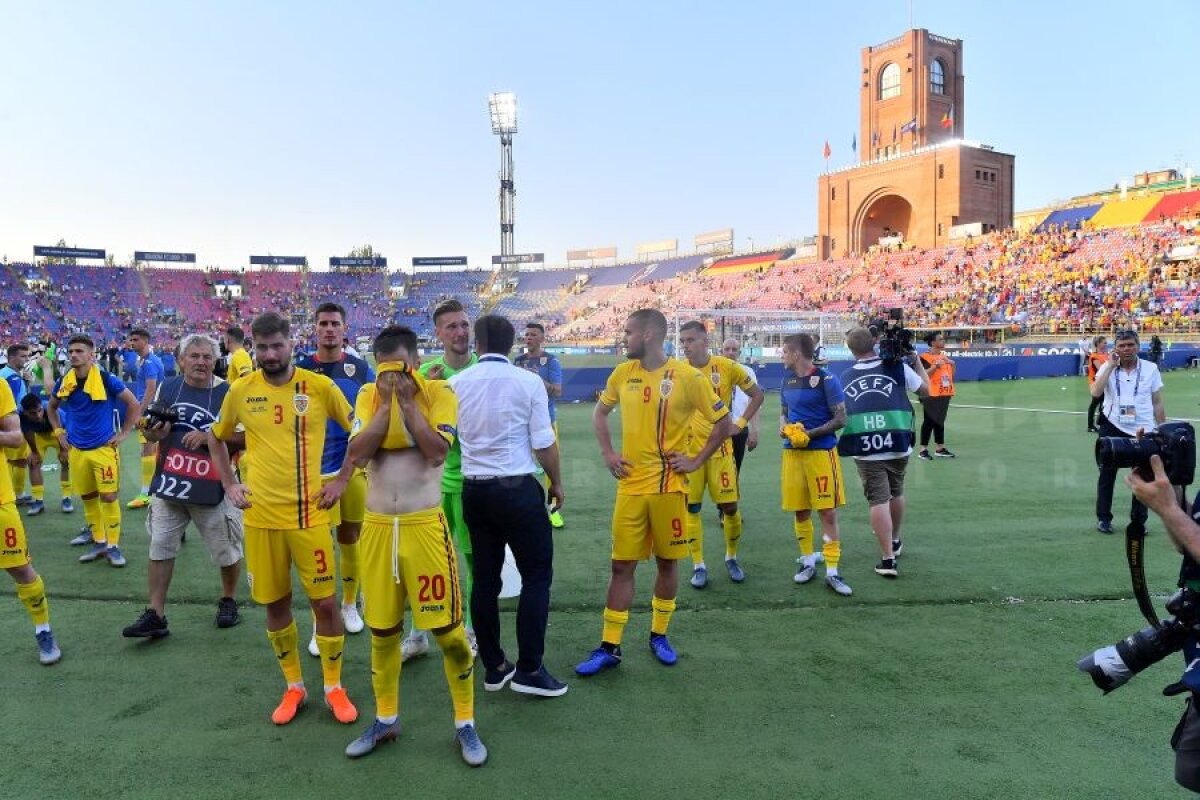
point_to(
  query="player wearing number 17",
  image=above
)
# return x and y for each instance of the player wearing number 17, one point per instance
(284, 410)
(658, 398)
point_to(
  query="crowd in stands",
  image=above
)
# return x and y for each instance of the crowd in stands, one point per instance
(1055, 281)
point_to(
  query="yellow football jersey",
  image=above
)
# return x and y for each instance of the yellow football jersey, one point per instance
(656, 410)
(285, 434)
(723, 374)
(435, 400)
(7, 406)
(240, 364)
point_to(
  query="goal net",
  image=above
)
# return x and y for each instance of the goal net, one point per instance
(761, 333)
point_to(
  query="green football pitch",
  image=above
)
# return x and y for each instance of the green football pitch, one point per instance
(956, 681)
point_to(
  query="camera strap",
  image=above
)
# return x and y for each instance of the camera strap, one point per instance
(1135, 542)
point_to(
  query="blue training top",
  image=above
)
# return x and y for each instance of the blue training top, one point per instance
(15, 382)
(809, 399)
(350, 373)
(148, 368)
(90, 423)
(548, 368)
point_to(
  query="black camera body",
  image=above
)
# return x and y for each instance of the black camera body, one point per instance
(1173, 442)
(895, 341)
(158, 414)
(1111, 667)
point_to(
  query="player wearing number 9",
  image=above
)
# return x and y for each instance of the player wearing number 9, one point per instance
(879, 435)
(186, 488)
(812, 472)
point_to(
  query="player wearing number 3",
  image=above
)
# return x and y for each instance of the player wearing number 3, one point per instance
(658, 397)
(284, 410)
(185, 487)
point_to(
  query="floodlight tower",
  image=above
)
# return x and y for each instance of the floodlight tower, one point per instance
(503, 109)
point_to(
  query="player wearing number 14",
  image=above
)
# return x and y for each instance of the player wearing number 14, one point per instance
(284, 410)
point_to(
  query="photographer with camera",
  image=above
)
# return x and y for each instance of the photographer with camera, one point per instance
(1128, 657)
(186, 488)
(1131, 389)
(879, 424)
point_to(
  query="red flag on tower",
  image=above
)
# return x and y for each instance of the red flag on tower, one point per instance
(948, 118)
(828, 152)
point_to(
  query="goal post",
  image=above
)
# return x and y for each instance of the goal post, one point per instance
(761, 333)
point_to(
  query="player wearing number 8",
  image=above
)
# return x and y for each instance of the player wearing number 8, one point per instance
(284, 410)
(879, 435)
(186, 488)
(812, 471)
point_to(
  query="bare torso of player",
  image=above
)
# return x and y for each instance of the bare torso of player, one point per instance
(401, 481)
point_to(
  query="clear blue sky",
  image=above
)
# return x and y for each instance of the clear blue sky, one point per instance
(297, 128)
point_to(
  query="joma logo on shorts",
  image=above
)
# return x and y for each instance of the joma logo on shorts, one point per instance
(323, 579)
(432, 609)
(16, 552)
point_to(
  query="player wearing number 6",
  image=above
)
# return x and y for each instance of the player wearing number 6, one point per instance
(185, 486)
(284, 410)
(879, 435)
(814, 409)
(658, 397)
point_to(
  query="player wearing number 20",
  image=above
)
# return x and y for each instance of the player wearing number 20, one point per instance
(185, 486)
(284, 410)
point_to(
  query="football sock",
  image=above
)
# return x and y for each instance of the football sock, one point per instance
(349, 572)
(458, 664)
(331, 659)
(39, 492)
(385, 675)
(148, 463)
(66, 487)
(91, 512)
(285, 642)
(110, 515)
(804, 538)
(33, 597)
(732, 526)
(660, 616)
(18, 478)
(833, 555)
(695, 532)
(614, 626)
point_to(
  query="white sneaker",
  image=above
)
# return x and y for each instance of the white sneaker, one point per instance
(313, 650)
(414, 645)
(351, 620)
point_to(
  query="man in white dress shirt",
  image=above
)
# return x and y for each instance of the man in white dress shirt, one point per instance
(505, 432)
(1132, 392)
(746, 438)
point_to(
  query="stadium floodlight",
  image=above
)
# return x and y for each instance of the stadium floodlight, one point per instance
(503, 108)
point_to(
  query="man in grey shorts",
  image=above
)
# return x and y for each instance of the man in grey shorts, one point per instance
(186, 487)
(879, 435)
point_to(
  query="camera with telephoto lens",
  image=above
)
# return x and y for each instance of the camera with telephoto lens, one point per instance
(159, 414)
(1173, 442)
(895, 341)
(1111, 667)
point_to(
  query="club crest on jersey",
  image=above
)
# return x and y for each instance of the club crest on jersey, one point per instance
(349, 369)
(716, 378)
(813, 380)
(665, 387)
(543, 360)
(300, 403)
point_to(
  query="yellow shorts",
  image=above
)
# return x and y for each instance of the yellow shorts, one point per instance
(812, 480)
(409, 557)
(271, 552)
(718, 475)
(141, 436)
(643, 524)
(45, 443)
(14, 549)
(96, 470)
(353, 503)
(17, 453)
